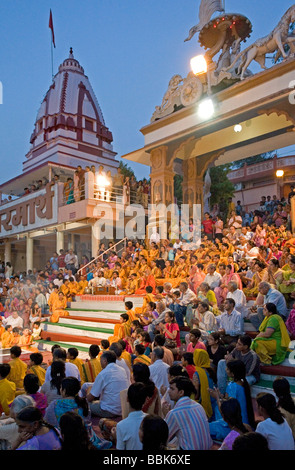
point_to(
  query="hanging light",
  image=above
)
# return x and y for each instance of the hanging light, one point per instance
(238, 128)
(206, 109)
(280, 173)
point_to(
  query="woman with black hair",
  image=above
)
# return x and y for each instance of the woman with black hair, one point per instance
(231, 413)
(153, 433)
(286, 403)
(34, 432)
(71, 401)
(52, 388)
(274, 427)
(237, 388)
(152, 405)
(74, 435)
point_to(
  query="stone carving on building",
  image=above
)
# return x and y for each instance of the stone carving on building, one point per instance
(273, 42)
(222, 37)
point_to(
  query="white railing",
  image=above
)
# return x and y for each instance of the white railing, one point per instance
(93, 262)
(119, 195)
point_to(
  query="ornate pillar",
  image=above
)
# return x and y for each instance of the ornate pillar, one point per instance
(192, 183)
(162, 188)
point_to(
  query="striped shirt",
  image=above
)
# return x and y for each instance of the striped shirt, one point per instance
(188, 422)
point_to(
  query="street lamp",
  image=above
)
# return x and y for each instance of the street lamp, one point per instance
(199, 65)
(280, 173)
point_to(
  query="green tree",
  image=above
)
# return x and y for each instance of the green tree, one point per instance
(221, 186)
(126, 169)
(178, 179)
(252, 160)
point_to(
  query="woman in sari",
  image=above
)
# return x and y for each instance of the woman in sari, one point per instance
(196, 276)
(272, 342)
(69, 191)
(286, 280)
(260, 275)
(205, 293)
(204, 379)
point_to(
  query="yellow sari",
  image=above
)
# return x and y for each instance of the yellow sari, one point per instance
(202, 361)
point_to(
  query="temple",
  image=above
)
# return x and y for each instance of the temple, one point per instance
(69, 131)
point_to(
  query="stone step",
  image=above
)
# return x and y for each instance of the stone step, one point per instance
(95, 315)
(78, 329)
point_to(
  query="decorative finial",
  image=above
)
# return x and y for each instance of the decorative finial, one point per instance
(71, 53)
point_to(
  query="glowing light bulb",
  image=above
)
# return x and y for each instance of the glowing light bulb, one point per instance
(198, 64)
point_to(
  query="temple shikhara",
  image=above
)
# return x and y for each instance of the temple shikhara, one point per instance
(69, 132)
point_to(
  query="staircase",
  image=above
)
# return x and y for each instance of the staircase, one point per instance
(91, 319)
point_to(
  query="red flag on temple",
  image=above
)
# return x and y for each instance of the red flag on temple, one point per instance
(51, 27)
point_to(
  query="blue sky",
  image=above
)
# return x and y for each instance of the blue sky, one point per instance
(129, 50)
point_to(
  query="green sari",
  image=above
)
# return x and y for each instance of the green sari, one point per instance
(280, 335)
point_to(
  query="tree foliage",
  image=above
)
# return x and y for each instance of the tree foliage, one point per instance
(221, 186)
(252, 160)
(126, 169)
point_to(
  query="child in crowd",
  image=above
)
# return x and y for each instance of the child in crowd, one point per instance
(72, 356)
(34, 367)
(7, 389)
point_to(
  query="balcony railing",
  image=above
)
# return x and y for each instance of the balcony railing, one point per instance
(119, 195)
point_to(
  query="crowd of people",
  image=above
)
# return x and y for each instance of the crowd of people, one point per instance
(107, 187)
(177, 372)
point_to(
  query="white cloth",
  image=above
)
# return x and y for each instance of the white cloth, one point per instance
(213, 280)
(107, 387)
(97, 282)
(279, 436)
(71, 370)
(159, 374)
(187, 297)
(14, 322)
(122, 363)
(240, 300)
(128, 431)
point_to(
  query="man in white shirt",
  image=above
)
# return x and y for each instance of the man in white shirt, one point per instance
(212, 278)
(155, 236)
(71, 370)
(71, 261)
(186, 298)
(14, 320)
(104, 396)
(239, 298)
(98, 280)
(158, 368)
(127, 430)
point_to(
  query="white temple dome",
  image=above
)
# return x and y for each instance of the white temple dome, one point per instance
(70, 111)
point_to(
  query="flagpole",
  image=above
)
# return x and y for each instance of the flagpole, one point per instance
(51, 60)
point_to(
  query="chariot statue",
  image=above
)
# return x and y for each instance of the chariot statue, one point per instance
(221, 34)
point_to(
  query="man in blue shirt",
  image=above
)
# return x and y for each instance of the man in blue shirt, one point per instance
(229, 322)
(270, 295)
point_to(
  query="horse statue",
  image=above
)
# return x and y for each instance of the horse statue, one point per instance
(275, 41)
